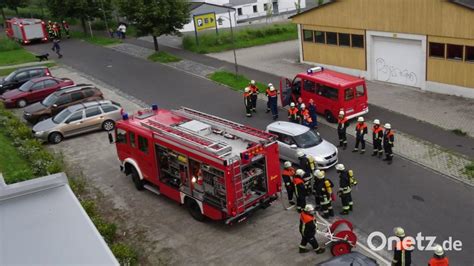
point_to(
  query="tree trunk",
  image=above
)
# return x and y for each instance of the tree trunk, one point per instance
(155, 42)
(83, 23)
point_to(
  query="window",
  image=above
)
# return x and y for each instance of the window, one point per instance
(132, 139)
(50, 83)
(308, 35)
(239, 11)
(93, 111)
(296, 86)
(88, 93)
(255, 10)
(348, 94)
(36, 73)
(357, 40)
(75, 117)
(470, 54)
(437, 49)
(319, 37)
(344, 39)
(360, 91)
(454, 52)
(265, 7)
(108, 108)
(309, 86)
(76, 96)
(331, 38)
(22, 76)
(64, 99)
(121, 136)
(143, 144)
(38, 86)
(328, 92)
(287, 139)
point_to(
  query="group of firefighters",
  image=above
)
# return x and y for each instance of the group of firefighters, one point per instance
(251, 95)
(55, 29)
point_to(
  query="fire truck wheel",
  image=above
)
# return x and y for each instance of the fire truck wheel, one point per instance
(55, 137)
(329, 117)
(21, 103)
(194, 210)
(108, 125)
(139, 184)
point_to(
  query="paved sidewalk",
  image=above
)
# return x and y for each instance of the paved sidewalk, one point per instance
(415, 149)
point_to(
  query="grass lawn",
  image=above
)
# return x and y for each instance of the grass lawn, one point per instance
(13, 167)
(163, 57)
(12, 53)
(97, 40)
(469, 170)
(237, 82)
(210, 43)
(6, 71)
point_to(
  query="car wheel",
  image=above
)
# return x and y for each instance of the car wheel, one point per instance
(55, 138)
(108, 125)
(139, 184)
(329, 117)
(42, 118)
(21, 103)
(194, 210)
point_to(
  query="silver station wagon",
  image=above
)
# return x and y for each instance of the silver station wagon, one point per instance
(78, 119)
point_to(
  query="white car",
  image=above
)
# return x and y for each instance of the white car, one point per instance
(292, 137)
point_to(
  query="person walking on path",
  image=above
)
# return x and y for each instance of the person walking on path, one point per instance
(66, 29)
(403, 249)
(388, 139)
(273, 99)
(288, 175)
(248, 101)
(254, 91)
(342, 125)
(346, 181)
(308, 230)
(377, 136)
(361, 131)
(322, 191)
(300, 190)
(267, 93)
(56, 48)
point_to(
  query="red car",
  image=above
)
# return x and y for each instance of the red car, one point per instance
(34, 90)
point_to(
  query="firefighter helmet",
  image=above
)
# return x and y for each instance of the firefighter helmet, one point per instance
(377, 122)
(292, 104)
(400, 232)
(360, 119)
(438, 250)
(309, 208)
(341, 113)
(299, 153)
(247, 89)
(340, 167)
(252, 82)
(287, 164)
(319, 174)
(300, 172)
(270, 85)
(387, 126)
(303, 106)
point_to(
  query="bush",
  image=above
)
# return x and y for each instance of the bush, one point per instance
(124, 254)
(106, 230)
(8, 45)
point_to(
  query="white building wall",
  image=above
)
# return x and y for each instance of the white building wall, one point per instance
(290, 5)
(283, 6)
(225, 22)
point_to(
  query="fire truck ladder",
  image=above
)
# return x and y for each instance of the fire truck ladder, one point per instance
(238, 186)
(230, 127)
(219, 149)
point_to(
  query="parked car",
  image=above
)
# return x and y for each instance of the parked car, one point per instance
(61, 99)
(353, 258)
(292, 137)
(15, 79)
(33, 90)
(78, 119)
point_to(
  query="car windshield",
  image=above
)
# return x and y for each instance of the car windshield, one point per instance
(61, 116)
(26, 86)
(308, 139)
(10, 76)
(50, 100)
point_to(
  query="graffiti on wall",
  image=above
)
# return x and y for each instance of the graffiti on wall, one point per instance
(389, 73)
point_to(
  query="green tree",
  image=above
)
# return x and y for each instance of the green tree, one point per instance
(156, 17)
(13, 5)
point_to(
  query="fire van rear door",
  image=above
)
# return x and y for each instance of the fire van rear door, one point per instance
(285, 91)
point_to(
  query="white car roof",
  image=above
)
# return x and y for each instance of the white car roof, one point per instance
(288, 128)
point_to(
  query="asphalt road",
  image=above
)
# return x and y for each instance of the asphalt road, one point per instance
(403, 194)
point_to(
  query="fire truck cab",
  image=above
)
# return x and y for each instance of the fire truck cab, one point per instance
(216, 168)
(331, 91)
(26, 30)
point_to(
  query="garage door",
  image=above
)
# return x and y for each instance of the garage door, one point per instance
(398, 61)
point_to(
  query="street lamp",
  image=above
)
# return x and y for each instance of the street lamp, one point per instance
(232, 37)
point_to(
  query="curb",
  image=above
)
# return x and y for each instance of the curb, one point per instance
(27, 64)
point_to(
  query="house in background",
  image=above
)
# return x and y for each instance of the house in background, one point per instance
(427, 44)
(221, 11)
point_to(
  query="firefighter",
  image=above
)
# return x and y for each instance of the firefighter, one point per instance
(312, 113)
(402, 250)
(273, 99)
(346, 182)
(248, 101)
(361, 130)
(388, 139)
(55, 30)
(307, 163)
(342, 124)
(300, 190)
(50, 30)
(58, 30)
(300, 102)
(66, 29)
(254, 90)
(267, 92)
(308, 230)
(438, 259)
(288, 174)
(323, 190)
(293, 113)
(377, 136)
(303, 112)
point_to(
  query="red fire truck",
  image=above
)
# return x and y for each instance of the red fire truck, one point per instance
(216, 168)
(26, 30)
(331, 91)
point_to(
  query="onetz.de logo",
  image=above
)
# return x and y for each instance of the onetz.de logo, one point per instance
(378, 241)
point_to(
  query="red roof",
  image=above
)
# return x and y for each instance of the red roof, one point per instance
(333, 78)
